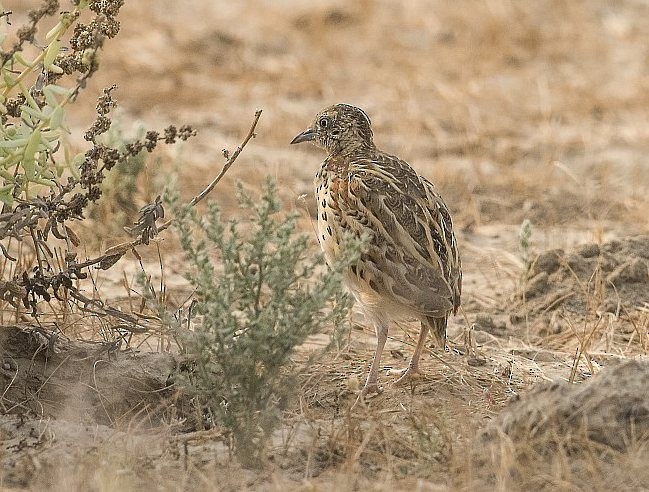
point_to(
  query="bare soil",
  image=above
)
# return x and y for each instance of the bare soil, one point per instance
(589, 282)
(515, 110)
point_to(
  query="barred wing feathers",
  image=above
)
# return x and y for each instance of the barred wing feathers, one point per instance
(413, 255)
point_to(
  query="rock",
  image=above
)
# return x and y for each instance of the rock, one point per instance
(610, 408)
(476, 362)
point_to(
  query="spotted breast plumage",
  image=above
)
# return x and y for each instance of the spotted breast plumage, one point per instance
(411, 267)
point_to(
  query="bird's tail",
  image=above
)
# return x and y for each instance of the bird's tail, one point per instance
(437, 328)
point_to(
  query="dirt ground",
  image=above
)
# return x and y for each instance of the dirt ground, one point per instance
(516, 111)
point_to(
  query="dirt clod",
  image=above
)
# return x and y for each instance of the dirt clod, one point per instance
(605, 417)
(547, 262)
(537, 285)
(633, 271)
(588, 250)
(611, 277)
(82, 381)
(490, 324)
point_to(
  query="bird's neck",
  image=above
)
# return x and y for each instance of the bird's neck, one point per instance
(352, 148)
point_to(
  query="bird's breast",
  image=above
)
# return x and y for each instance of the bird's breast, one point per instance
(330, 228)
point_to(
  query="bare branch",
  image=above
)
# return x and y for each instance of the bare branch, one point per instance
(228, 164)
(145, 231)
(194, 201)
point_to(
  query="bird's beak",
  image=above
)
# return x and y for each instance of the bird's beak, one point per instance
(306, 136)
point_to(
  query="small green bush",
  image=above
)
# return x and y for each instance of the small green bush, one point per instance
(261, 292)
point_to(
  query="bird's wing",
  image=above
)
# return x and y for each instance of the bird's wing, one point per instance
(413, 253)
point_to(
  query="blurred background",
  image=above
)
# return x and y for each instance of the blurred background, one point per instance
(515, 110)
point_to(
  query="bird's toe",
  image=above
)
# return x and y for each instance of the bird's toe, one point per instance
(407, 375)
(370, 390)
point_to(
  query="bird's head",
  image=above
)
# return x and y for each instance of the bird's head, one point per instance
(339, 129)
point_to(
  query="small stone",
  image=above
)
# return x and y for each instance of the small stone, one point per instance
(476, 362)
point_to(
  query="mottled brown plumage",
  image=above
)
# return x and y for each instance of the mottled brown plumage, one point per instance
(412, 267)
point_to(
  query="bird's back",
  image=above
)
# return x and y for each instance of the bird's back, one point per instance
(411, 266)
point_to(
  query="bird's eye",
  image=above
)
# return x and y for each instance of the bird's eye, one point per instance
(324, 122)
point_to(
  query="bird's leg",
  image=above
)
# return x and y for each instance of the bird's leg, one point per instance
(371, 385)
(413, 367)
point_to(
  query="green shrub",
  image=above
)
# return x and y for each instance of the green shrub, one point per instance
(261, 292)
(44, 186)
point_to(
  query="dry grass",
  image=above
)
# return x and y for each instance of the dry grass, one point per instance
(515, 110)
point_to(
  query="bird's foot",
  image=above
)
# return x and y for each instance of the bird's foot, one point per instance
(406, 375)
(369, 391)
